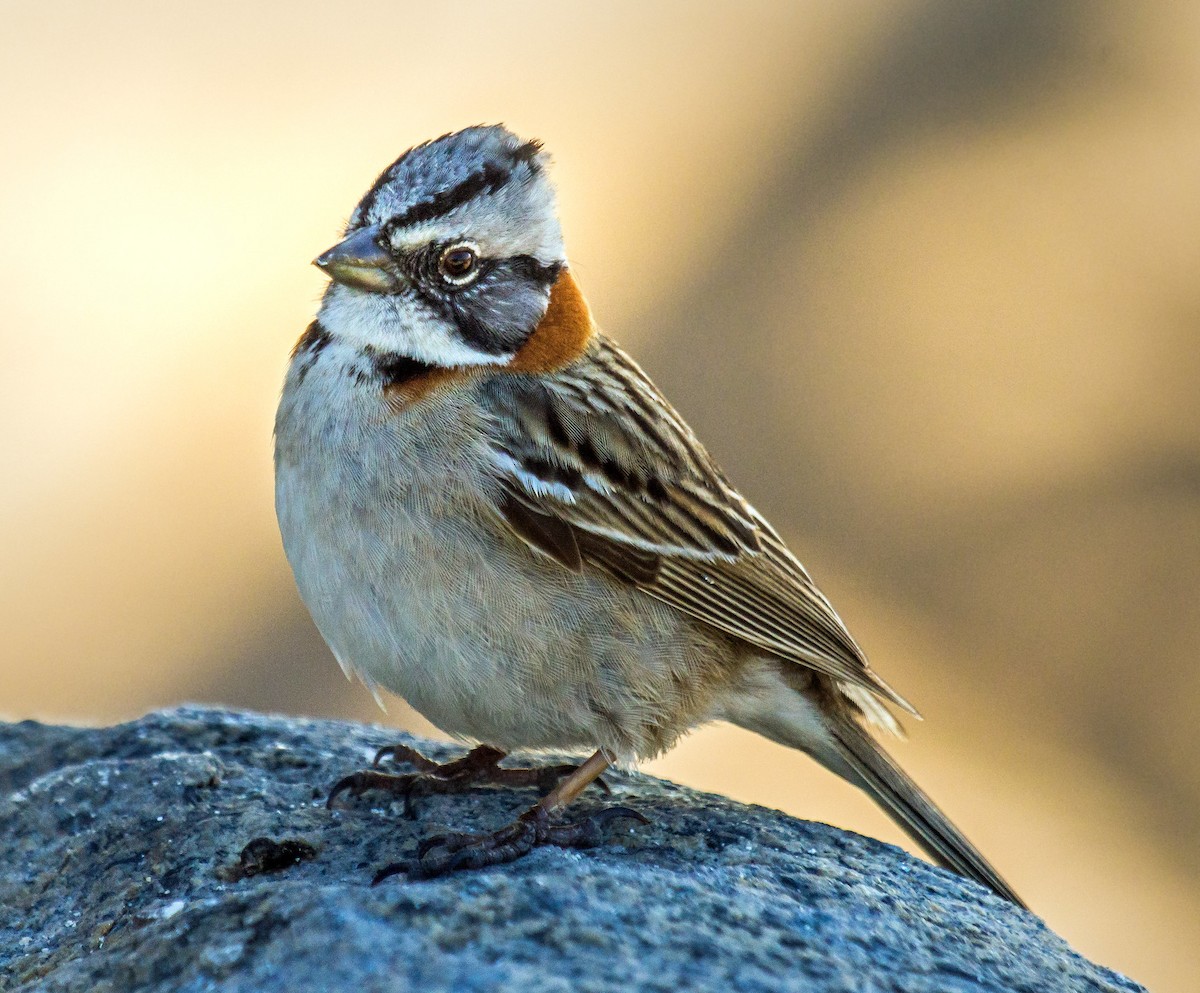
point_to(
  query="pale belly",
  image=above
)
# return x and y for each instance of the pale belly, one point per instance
(419, 589)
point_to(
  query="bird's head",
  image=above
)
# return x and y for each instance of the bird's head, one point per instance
(453, 255)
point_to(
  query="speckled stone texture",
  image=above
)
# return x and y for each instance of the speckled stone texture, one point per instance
(122, 847)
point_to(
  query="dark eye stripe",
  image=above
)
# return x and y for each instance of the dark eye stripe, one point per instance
(527, 267)
(467, 307)
(476, 332)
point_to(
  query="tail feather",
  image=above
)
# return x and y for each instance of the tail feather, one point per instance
(916, 813)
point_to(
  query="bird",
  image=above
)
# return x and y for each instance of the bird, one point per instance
(491, 511)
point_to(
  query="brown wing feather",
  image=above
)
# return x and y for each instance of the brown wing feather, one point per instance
(595, 466)
(551, 534)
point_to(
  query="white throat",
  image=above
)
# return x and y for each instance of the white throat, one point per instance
(397, 324)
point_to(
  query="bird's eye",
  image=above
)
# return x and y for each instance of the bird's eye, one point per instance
(459, 264)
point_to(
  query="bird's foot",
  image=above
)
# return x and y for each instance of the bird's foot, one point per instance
(449, 852)
(480, 766)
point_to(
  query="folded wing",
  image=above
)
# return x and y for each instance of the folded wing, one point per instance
(596, 469)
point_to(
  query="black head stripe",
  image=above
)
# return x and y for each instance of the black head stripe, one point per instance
(528, 153)
(488, 179)
(490, 176)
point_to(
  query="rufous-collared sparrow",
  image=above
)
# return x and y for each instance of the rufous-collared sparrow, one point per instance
(491, 511)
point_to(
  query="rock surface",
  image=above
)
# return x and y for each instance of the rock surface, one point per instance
(122, 870)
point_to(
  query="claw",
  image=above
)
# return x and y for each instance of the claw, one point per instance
(357, 783)
(609, 814)
(403, 755)
(352, 784)
(451, 842)
(479, 766)
(446, 853)
(340, 787)
(392, 869)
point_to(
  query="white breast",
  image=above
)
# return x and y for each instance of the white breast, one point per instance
(365, 496)
(419, 588)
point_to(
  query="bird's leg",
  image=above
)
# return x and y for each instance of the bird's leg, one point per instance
(480, 766)
(449, 852)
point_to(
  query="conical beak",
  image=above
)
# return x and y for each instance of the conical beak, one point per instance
(359, 261)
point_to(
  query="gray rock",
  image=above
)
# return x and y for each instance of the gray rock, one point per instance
(122, 871)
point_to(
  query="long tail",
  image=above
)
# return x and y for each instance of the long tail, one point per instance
(890, 786)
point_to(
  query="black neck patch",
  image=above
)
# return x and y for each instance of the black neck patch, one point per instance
(309, 348)
(395, 369)
(314, 339)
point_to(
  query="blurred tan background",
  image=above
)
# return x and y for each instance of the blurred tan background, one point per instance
(924, 276)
